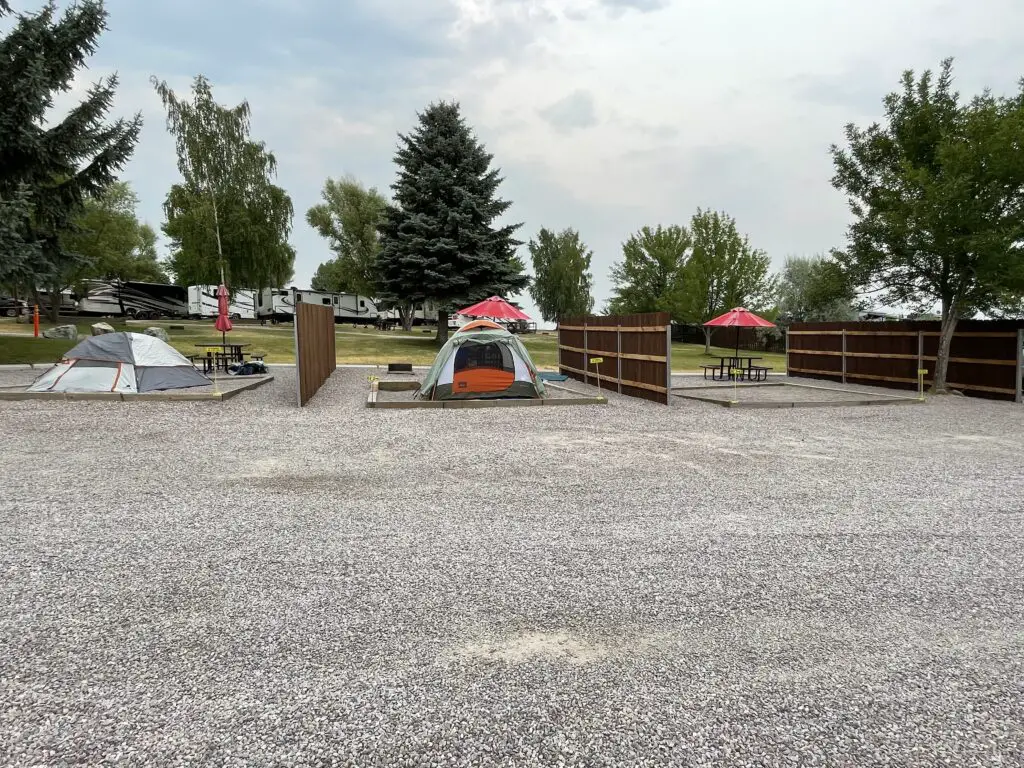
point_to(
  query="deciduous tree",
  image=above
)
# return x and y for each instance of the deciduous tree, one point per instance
(937, 194)
(108, 234)
(561, 285)
(226, 198)
(723, 272)
(440, 239)
(815, 290)
(650, 276)
(349, 218)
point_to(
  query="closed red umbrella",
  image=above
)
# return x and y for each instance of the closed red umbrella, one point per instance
(223, 322)
(495, 307)
(738, 317)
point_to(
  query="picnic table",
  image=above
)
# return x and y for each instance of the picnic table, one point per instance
(732, 367)
(230, 353)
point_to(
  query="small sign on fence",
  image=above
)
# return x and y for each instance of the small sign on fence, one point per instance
(596, 360)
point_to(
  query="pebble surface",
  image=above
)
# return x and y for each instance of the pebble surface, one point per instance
(245, 584)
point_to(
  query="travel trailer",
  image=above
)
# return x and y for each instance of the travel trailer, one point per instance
(202, 302)
(278, 305)
(145, 301)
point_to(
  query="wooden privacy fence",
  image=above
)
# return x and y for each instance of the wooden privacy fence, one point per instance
(636, 353)
(985, 355)
(315, 353)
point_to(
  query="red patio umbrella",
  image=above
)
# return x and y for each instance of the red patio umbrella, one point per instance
(495, 307)
(738, 317)
(223, 321)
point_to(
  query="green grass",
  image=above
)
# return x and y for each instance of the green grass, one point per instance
(354, 345)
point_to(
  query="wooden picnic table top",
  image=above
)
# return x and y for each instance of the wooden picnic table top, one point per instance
(224, 345)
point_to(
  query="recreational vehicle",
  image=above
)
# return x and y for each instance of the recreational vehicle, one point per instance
(348, 307)
(275, 305)
(278, 305)
(114, 298)
(202, 302)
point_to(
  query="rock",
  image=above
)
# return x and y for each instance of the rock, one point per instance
(98, 329)
(157, 332)
(61, 332)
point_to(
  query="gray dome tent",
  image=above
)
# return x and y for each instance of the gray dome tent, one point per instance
(120, 362)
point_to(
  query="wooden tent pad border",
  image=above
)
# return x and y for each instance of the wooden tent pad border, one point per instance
(130, 397)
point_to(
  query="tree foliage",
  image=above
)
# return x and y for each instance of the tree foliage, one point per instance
(226, 220)
(349, 218)
(651, 276)
(562, 282)
(815, 290)
(108, 234)
(937, 194)
(47, 166)
(440, 241)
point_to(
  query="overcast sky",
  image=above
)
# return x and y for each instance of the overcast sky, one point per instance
(604, 115)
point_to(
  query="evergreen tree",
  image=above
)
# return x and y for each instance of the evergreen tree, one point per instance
(47, 168)
(439, 239)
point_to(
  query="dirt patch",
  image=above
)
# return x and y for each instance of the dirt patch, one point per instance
(536, 646)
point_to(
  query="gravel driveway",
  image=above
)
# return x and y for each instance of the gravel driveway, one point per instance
(246, 584)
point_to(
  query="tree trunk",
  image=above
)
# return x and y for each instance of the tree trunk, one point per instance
(54, 310)
(950, 316)
(707, 340)
(407, 312)
(442, 327)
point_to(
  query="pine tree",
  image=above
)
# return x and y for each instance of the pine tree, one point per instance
(439, 239)
(48, 169)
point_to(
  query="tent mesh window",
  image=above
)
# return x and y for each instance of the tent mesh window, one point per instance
(482, 356)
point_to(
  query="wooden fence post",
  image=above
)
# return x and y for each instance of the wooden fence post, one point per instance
(785, 334)
(668, 362)
(586, 356)
(618, 356)
(844, 355)
(920, 352)
(558, 343)
(1019, 396)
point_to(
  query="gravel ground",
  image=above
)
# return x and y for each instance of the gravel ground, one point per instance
(242, 583)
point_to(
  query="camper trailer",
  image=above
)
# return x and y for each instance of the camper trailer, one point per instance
(423, 314)
(145, 301)
(348, 307)
(202, 302)
(275, 305)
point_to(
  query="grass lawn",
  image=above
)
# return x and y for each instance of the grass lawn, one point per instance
(354, 345)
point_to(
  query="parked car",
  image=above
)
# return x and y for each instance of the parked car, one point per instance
(12, 307)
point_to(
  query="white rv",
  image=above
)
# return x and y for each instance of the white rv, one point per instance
(275, 305)
(202, 302)
(423, 314)
(132, 299)
(278, 305)
(348, 307)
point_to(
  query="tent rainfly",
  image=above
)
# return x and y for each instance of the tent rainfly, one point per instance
(120, 362)
(482, 361)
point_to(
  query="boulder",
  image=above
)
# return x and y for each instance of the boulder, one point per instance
(157, 332)
(98, 329)
(61, 332)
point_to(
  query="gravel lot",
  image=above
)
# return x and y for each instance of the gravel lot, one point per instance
(247, 584)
